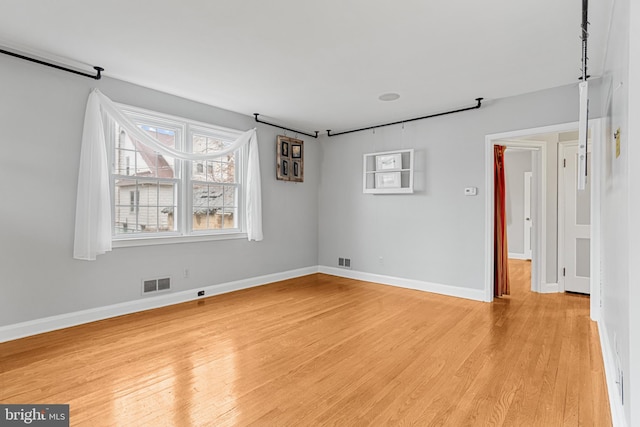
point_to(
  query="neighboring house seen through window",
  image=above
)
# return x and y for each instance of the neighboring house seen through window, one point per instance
(156, 195)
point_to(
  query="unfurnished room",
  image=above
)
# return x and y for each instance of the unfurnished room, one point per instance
(338, 213)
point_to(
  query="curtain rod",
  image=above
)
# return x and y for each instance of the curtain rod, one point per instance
(584, 36)
(282, 127)
(99, 70)
(479, 100)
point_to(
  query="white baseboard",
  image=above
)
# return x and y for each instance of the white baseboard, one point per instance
(454, 291)
(550, 288)
(617, 410)
(38, 326)
(518, 256)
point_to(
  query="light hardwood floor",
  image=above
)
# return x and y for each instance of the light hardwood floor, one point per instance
(323, 350)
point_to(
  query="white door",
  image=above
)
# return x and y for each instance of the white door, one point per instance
(576, 221)
(527, 215)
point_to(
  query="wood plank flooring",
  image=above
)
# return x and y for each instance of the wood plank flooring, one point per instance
(323, 350)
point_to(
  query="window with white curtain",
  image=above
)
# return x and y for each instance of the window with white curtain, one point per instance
(154, 195)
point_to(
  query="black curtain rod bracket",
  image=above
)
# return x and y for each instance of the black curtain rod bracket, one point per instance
(282, 127)
(98, 75)
(475, 107)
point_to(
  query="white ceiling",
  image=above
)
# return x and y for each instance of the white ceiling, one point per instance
(320, 65)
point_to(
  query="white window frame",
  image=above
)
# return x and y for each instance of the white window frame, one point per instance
(185, 128)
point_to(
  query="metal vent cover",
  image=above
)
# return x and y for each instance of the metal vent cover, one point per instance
(149, 285)
(164, 284)
(156, 285)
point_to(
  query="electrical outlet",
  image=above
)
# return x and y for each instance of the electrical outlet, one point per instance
(200, 293)
(185, 273)
(471, 191)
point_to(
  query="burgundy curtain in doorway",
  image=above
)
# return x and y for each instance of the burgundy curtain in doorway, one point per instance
(500, 251)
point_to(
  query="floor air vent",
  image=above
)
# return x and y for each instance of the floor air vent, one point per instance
(156, 285)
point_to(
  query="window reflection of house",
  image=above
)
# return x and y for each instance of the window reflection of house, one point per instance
(144, 187)
(213, 207)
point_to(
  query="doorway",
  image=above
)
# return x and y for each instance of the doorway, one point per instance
(544, 240)
(519, 165)
(523, 161)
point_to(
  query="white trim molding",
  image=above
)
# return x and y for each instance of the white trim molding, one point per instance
(617, 410)
(550, 288)
(52, 323)
(436, 288)
(514, 255)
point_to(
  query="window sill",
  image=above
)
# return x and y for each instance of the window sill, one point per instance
(171, 240)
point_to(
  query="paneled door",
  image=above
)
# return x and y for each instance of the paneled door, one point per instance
(576, 221)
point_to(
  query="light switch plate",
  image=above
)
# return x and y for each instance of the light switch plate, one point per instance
(471, 191)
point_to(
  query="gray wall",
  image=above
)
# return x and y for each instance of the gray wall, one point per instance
(516, 162)
(619, 234)
(41, 118)
(436, 234)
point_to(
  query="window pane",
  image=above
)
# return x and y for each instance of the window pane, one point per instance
(228, 169)
(125, 209)
(144, 206)
(218, 170)
(230, 207)
(200, 207)
(134, 158)
(208, 206)
(229, 215)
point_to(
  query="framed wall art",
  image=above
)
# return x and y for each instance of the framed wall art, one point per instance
(289, 159)
(388, 180)
(388, 161)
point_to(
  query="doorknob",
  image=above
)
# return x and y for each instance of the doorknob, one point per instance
(528, 219)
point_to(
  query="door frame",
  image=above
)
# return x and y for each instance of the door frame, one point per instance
(528, 180)
(597, 129)
(539, 206)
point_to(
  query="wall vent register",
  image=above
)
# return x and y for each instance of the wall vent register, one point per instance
(156, 285)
